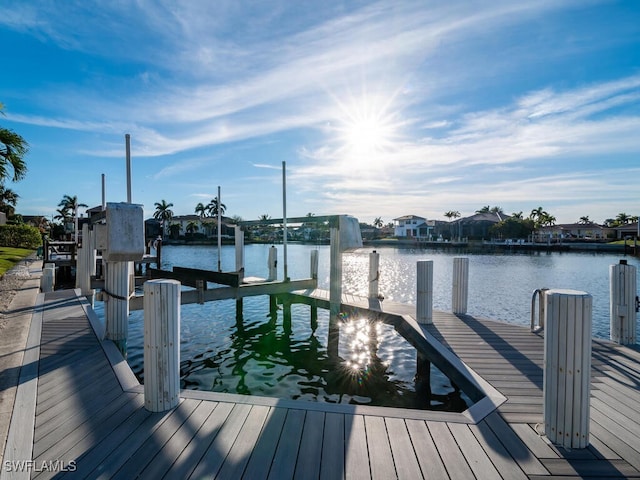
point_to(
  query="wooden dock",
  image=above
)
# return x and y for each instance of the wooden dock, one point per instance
(79, 414)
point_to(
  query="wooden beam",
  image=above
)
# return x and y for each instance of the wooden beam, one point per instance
(226, 293)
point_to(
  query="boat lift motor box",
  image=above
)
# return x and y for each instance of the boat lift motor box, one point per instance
(124, 240)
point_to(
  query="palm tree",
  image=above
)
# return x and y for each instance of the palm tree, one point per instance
(192, 227)
(622, 219)
(537, 215)
(517, 216)
(453, 214)
(70, 204)
(201, 210)
(213, 207)
(8, 200)
(13, 149)
(163, 213)
(584, 220)
(377, 222)
(485, 209)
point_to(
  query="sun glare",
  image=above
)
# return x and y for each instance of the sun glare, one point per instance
(367, 129)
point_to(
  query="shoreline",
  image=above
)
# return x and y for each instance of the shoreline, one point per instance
(462, 247)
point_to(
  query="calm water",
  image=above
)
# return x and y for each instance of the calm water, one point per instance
(259, 354)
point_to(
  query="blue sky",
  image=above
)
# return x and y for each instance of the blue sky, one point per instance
(380, 109)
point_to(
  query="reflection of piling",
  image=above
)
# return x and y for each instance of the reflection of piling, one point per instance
(286, 316)
(423, 380)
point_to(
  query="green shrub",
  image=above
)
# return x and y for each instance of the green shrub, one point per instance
(22, 236)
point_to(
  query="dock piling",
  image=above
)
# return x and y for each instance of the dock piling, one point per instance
(567, 367)
(424, 297)
(460, 286)
(622, 304)
(374, 274)
(161, 344)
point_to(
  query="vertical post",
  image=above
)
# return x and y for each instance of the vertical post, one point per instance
(424, 302)
(335, 291)
(374, 274)
(313, 270)
(117, 303)
(460, 287)
(284, 219)
(219, 230)
(161, 344)
(104, 194)
(48, 279)
(273, 264)
(80, 268)
(567, 367)
(239, 236)
(335, 273)
(127, 141)
(622, 304)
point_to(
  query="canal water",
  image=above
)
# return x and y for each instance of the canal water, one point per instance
(257, 353)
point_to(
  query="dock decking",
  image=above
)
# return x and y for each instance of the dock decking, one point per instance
(79, 414)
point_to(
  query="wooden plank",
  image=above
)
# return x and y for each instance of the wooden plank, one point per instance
(238, 457)
(428, 457)
(59, 435)
(214, 456)
(497, 453)
(404, 456)
(614, 442)
(284, 461)
(535, 440)
(19, 441)
(109, 466)
(473, 452)
(356, 453)
(192, 454)
(333, 447)
(82, 439)
(265, 448)
(171, 450)
(449, 452)
(590, 468)
(154, 443)
(97, 450)
(231, 279)
(380, 455)
(309, 453)
(515, 446)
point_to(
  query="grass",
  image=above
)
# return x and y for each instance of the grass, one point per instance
(9, 256)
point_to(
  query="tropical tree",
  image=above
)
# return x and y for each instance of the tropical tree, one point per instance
(377, 222)
(235, 219)
(213, 207)
(584, 220)
(201, 210)
(8, 200)
(547, 220)
(453, 214)
(192, 227)
(485, 209)
(70, 204)
(13, 149)
(163, 213)
(517, 216)
(538, 215)
(622, 219)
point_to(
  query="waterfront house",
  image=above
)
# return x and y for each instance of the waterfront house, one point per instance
(477, 226)
(408, 226)
(572, 232)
